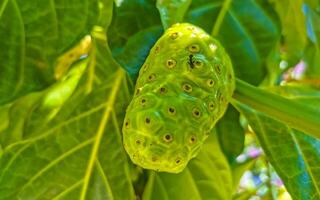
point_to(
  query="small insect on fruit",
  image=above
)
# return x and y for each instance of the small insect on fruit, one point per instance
(185, 89)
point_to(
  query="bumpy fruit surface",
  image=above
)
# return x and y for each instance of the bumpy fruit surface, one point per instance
(183, 88)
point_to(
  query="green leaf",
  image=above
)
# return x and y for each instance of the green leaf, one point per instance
(105, 15)
(128, 19)
(84, 133)
(293, 28)
(248, 31)
(32, 35)
(293, 113)
(312, 58)
(137, 49)
(312, 52)
(30, 113)
(231, 134)
(15, 117)
(207, 176)
(172, 11)
(294, 155)
(297, 91)
(4, 116)
(77, 153)
(313, 3)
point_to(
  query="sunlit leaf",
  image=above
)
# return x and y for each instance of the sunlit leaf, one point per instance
(312, 53)
(172, 11)
(32, 35)
(293, 28)
(294, 155)
(81, 142)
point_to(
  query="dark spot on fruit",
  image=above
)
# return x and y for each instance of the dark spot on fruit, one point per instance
(190, 28)
(174, 35)
(210, 82)
(151, 77)
(229, 76)
(157, 50)
(194, 48)
(147, 120)
(178, 161)
(167, 138)
(171, 111)
(145, 67)
(154, 159)
(196, 112)
(162, 90)
(171, 63)
(211, 105)
(138, 91)
(187, 87)
(198, 63)
(127, 123)
(143, 102)
(193, 139)
(220, 97)
(138, 142)
(218, 68)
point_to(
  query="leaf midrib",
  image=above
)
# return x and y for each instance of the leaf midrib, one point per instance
(119, 75)
(3, 7)
(260, 124)
(304, 159)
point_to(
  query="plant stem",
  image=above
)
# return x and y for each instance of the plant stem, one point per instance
(292, 113)
(222, 13)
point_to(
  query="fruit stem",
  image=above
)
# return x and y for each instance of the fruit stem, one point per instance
(292, 113)
(222, 13)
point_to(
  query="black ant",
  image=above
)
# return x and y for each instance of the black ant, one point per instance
(191, 61)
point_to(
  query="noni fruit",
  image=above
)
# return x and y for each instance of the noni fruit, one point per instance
(182, 90)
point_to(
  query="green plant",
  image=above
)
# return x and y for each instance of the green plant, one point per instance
(68, 72)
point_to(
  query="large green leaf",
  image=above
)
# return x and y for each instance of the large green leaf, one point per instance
(208, 176)
(32, 35)
(137, 49)
(172, 11)
(293, 28)
(312, 53)
(248, 31)
(231, 134)
(313, 3)
(30, 113)
(76, 152)
(296, 114)
(128, 19)
(294, 155)
(79, 152)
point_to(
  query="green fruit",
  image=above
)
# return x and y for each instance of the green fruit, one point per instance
(183, 88)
